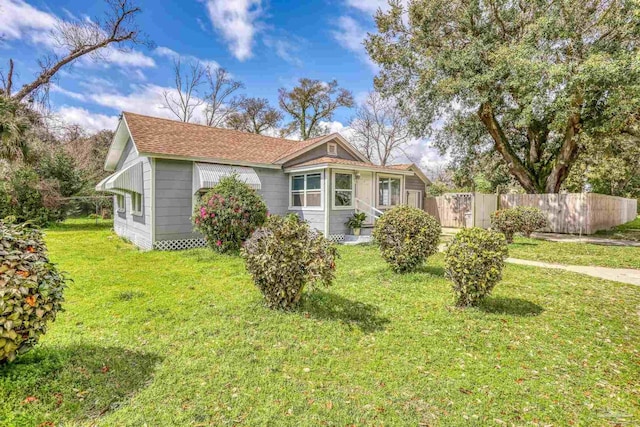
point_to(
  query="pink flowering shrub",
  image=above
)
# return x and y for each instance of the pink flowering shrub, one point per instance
(228, 214)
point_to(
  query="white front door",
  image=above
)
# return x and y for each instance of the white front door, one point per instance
(364, 193)
(413, 198)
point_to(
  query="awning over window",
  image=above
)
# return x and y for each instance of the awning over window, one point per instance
(128, 180)
(207, 175)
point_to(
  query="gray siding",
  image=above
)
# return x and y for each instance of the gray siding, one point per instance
(314, 218)
(174, 197)
(136, 228)
(414, 183)
(320, 151)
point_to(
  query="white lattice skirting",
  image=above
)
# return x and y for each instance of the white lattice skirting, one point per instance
(179, 245)
(338, 238)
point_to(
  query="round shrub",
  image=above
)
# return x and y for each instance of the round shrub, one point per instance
(406, 236)
(284, 256)
(507, 222)
(531, 219)
(473, 261)
(228, 213)
(30, 289)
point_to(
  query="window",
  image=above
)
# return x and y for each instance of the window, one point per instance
(120, 202)
(332, 149)
(342, 190)
(306, 190)
(136, 203)
(388, 191)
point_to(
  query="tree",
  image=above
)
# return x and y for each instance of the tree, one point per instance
(380, 129)
(219, 100)
(78, 38)
(311, 102)
(184, 100)
(529, 80)
(14, 126)
(255, 115)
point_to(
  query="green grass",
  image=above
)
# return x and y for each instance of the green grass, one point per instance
(628, 231)
(575, 253)
(182, 339)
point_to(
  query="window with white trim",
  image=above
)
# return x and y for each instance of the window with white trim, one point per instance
(342, 190)
(136, 204)
(332, 149)
(120, 203)
(306, 190)
(388, 191)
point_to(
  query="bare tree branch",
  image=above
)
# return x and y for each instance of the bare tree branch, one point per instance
(85, 37)
(380, 129)
(219, 102)
(184, 100)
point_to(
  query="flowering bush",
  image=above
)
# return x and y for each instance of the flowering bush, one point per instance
(473, 261)
(228, 214)
(507, 222)
(531, 219)
(406, 236)
(284, 256)
(30, 289)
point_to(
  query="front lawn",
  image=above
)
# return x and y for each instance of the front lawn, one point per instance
(575, 253)
(182, 338)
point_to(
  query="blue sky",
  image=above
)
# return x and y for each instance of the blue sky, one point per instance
(264, 44)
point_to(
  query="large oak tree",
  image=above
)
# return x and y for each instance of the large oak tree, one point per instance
(531, 80)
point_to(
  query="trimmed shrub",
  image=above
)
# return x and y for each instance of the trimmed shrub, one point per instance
(228, 214)
(31, 289)
(407, 237)
(507, 222)
(284, 256)
(473, 261)
(531, 219)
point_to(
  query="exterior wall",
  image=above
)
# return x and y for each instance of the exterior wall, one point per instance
(414, 183)
(320, 151)
(133, 227)
(174, 197)
(314, 217)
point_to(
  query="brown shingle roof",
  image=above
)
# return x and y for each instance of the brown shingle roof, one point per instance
(338, 161)
(153, 135)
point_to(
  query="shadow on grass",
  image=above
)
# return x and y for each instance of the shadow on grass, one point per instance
(510, 306)
(65, 385)
(523, 244)
(89, 225)
(327, 306)
(432, 270)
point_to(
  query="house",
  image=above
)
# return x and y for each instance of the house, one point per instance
(161, 166)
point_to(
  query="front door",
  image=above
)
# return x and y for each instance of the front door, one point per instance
(364, 193)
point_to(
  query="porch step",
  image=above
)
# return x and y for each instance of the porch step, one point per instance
(350, 239)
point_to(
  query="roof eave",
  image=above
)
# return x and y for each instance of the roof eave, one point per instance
(211, 160)
(348, 167)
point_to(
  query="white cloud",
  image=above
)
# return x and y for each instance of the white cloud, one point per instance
(237, 23)
(18, 18)
(73, 95)
(91, 122)
(285, 49)
(350, 35)
(170, 53)
(368, 6)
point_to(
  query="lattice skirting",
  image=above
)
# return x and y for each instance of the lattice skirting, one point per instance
(338, 238)
(179, 245)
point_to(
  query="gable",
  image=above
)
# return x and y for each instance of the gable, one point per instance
(322, 151)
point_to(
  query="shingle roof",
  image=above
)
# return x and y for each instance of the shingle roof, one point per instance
(339, 161)
(153, 135)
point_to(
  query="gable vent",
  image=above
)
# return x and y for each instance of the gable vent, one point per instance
(332, 149)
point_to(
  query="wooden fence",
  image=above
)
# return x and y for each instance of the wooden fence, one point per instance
(462, 209)
(576, 213)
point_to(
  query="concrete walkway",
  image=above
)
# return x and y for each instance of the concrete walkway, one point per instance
(572, 238)
(622, 275)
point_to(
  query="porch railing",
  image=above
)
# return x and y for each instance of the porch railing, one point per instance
(373, 213)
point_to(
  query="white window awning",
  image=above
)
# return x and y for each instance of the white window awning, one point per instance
(127, 180)
(207, 175)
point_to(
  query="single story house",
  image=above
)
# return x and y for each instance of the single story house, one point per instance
(161, 166)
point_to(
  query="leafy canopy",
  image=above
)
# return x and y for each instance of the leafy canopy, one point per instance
(529, 80)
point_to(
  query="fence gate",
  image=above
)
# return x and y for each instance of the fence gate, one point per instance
(459, 210)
